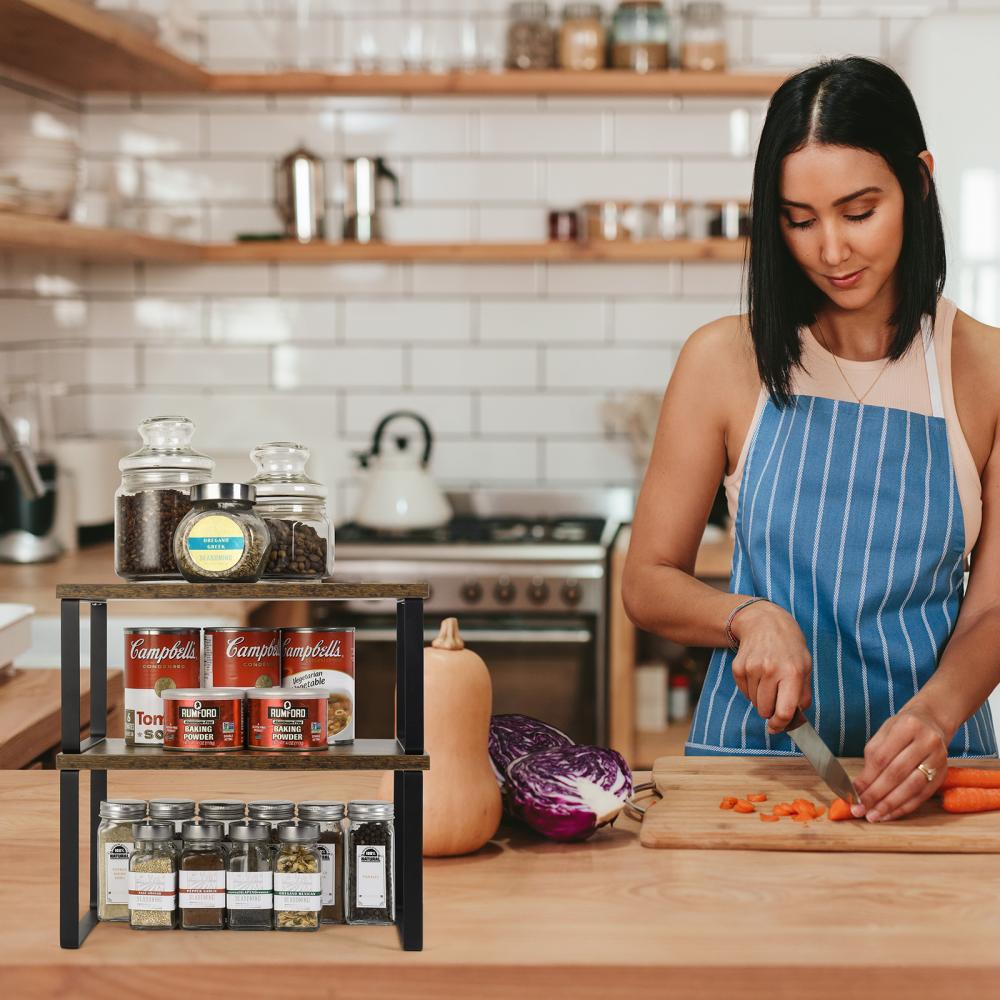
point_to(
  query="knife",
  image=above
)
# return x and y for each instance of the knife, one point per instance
(821, 757)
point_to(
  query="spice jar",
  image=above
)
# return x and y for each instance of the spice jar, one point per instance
(222, 538)
(174, 811)
(202, 877)
(152, 878)
(294, 508)
(249, 877)
(154, 496)
(115, 846)
(297, 879)
(640, 36)
(703, 47)
(271, 812)
(369, 862)
(328, 817)
(582, 41)
(530, 38)
(224, 811)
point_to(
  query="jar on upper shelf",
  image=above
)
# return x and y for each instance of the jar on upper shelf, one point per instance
(582, 40)
(530, 38)
(294, 508)
(703, 47)
(640, 36)
(153, 497)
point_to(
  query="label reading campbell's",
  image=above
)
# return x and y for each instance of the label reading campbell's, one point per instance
(297, 891)
(201, 890)
(116, 858)
(249, 890)
(154, 663)
(370, 869)
(242, 659)
(152, 890)
(215, 543)
(324, 658)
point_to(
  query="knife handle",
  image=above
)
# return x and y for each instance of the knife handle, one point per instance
(797, 720)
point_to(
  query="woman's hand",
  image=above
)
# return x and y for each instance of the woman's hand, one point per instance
(890, 785)
(773, 666)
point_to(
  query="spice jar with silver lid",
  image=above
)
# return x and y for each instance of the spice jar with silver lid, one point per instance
(250, 877)
(328, 816)
(369, 852)
(224, 811)
(202, 878)
(177, 812)
(222, 538)
(295, 510)
(273, 812)
(115, 846)
(153, 497)
(298, 886)
(152, 878)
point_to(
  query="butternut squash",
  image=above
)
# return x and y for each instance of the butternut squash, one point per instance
(462, 804)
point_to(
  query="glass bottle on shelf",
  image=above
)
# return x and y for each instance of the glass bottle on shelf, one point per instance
(297, 878)
(582, 41)
(703, 45)
(152, 878)
(368, 886)
(530, 38)
(640, 36)
(202, 877)
(250, 877)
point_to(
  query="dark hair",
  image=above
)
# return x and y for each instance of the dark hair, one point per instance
(853, 102)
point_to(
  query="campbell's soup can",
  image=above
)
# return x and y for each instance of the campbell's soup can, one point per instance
(242, 658)
(156, 660)
(203, 719)
(283, 719)
(323, 657)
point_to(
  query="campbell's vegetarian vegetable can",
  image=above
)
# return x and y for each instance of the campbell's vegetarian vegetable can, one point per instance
(203, 719)
(323, 657)
(156, 660)
(282, 719)
(242, 658)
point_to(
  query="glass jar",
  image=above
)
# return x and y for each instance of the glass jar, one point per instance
(152, 878)
(703, 46)
(222, 538)
(368, 889)
(272, 812)
(582, 39)
(328, 817)
(640, 36)
(202, 878)
(249, 877)
(154, 496)
(224, 811)
(297, 878)
(294, 508)
(176, 812)
(115, 846)
(530, 38)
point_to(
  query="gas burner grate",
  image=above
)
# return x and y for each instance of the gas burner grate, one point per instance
(486, 531)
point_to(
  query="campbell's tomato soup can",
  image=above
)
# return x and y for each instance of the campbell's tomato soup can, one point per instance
(156, 660)
(203, 719)
(283, 719)
(242, 658)
(323, 657)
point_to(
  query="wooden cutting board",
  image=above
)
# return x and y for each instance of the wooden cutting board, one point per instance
(689, 816)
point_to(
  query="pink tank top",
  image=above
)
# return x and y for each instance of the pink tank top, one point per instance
(920, 382)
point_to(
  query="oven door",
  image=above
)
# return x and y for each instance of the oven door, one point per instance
(543, 667)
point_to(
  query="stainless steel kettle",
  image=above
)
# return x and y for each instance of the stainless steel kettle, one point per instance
(300, 195)
(361, 177)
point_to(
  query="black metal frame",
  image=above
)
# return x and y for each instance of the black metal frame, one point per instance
(408, 785)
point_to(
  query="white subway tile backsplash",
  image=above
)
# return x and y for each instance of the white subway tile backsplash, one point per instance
(206, 279)
(406, 321)
(568, 182)
(512, 225)
(684, 133)
(486, 461)
(540, 132)
(722, 279)
(610, 367)
(34, 321)
(596, 461)
(223, 223)
(132, 133)
(543, 322)
(345, 367)
(275, 42)
(148, 318)
(611, 279)
(545, 414)
(214, 367)
(272, 320)
(474, 279)
(448, 413)
(666, 321)
(474, 367)
(379, 133)
(705, 180)
(421, 224)
(182, 181)
(469, 180)
(375, 278)
(239, 134)
(792, 42)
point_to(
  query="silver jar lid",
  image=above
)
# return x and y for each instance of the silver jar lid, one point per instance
(171, 808)
(322, 812)
(247, 831)
(223, 491)
(298, 833)
(195, 830)
(222, 809)
(132, 809)
(368, 809)
(271, 809)
(153, 831)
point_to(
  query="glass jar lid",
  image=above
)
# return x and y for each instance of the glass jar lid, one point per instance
(529, 10)
(369, 809)
(222, 809)
(166, 444)
(124, 809)
(195, 830)
(321, 812)
(271, 809)
(239, 492)
(153, 831)
(171, 808)
(298, 833)
(247, 831)
(583, 12)
(281, 471)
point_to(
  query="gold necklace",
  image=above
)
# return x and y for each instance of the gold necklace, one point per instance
(836, 361)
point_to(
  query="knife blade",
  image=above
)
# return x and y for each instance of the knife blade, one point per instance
(821, 757)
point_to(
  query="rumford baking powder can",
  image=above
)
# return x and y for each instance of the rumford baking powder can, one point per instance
(287, 720)
(203, 719)
(323, 658)
(156, 659)
(242, 657)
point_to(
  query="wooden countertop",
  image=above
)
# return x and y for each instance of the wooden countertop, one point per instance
(528, 918)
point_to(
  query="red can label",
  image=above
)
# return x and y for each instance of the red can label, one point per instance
(156, 660)
(289, 722)
(242, 658)
(195, 723)
(323, 658)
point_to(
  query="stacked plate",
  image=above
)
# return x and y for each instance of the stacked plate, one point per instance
(38, 174)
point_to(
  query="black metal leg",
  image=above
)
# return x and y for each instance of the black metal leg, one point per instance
(410, 674)
(409, 874)
(98, 669)
(69, 669)
(69, 859)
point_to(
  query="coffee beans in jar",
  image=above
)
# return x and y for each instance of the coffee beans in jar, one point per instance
(297, 549)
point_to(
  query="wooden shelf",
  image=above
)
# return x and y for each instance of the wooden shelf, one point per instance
(327, 590)
(362, 755)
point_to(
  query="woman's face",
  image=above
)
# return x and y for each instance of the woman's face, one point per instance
(841, 214)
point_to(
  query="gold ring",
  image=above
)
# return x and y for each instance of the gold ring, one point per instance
(929, 772)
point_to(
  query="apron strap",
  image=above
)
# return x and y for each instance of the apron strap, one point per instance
(930, 362)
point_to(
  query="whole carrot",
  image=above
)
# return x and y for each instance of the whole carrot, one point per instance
(970, 800)
(970, 777)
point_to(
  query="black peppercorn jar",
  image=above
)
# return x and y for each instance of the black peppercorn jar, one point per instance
(329, 816)
(222, 538)
(153, 497)
(368, 891)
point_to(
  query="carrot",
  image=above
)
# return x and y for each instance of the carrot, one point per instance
(802, 805)
(970, 800)
(970, 777)
(742, 806)
(802, 817)
(728, 802)
(784, 809)
(769, 817)
(819, 811)
(840, 809)
(757, 797)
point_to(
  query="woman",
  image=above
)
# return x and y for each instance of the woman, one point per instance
(852, 415)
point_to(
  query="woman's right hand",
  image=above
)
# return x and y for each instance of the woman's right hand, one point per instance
(773, 667)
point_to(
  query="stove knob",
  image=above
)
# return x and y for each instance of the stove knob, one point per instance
(472, 591)
(538, 591)
(571, 592)
(504, 591)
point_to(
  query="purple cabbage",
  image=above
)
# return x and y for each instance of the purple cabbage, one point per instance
(568, 792)
(513, 736)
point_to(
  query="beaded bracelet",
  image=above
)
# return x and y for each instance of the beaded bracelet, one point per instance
(734, 643)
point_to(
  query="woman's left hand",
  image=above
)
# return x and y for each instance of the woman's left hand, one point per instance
(890, 785)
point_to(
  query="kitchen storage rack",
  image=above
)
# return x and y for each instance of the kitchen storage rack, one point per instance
(97, 754)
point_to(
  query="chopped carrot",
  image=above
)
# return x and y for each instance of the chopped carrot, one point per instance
(971, 777)
(802, 818)
(819, 811)
(840, 809)
(969, 800)
(784, 809)
(802, 805)
(769, 817)
(728, 802)
(742, 806)
(757, 797)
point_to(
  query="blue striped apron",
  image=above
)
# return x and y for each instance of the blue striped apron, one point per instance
(849, 518)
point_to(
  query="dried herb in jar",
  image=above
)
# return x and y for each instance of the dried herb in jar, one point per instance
(152, 878)
(328, 817)
(297, 881)
(249, 877)
(115, 846)
(369, 895)
(202, 876)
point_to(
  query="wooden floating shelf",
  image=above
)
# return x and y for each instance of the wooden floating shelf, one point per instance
(362, 755)
(73, 45)
(328, 590)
